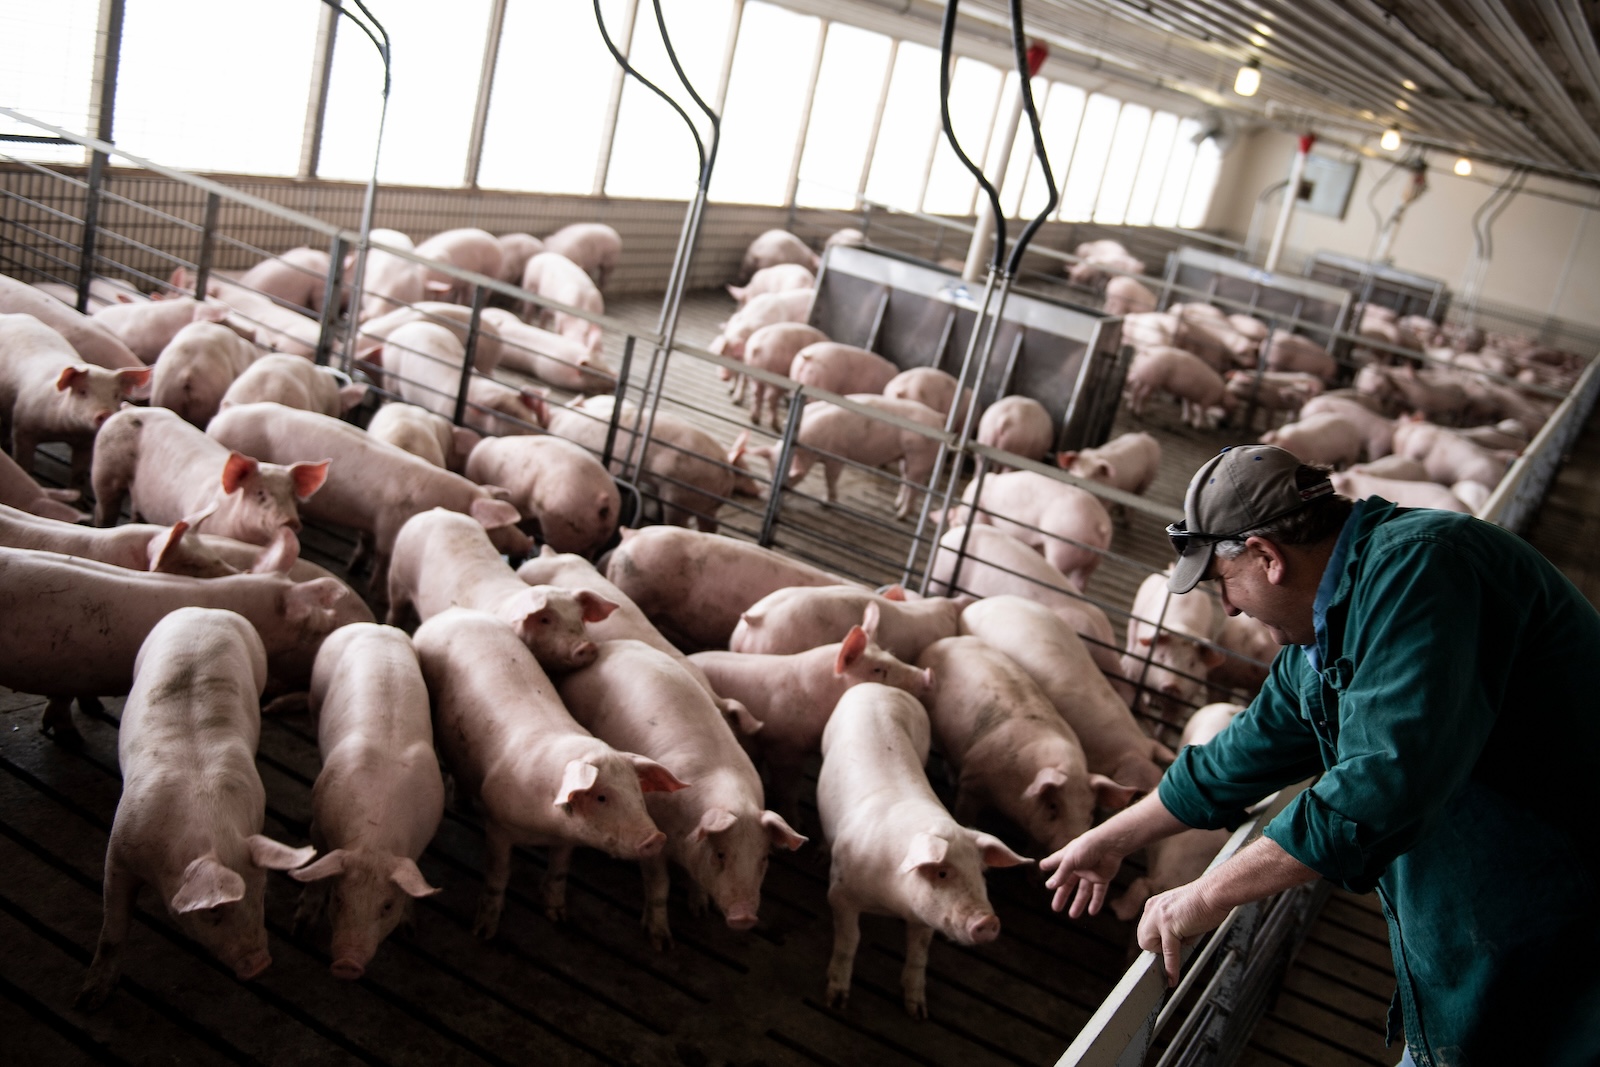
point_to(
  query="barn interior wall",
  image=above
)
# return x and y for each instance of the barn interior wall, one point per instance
(1534, 238)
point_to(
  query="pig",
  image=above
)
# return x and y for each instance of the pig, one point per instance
(1249, 326)
(379, 797)
(171, 470)
(1017, 424)
(594, 246)
(1149, 329)
(1199, 389)
(775, 247)
(1357, 485)
(774, 279)
(1008, 747)
(48, 394)
(1125, 295)
(374, 487)
(1183, 857)
(791, 305)
(1128, 462)
(1171, 646)
(1289, 351)
(45, 598)
(298, 276)
(389, 281)
(1059, 662)
(1399, 468)
(515, 251)
(997, 563)
(486, 352)
(135, 546)
(559, 280)
(443, 559)
(793, 695)
(103, 292)
(850, 237)
(196, 369)
(1327, 440)
(17, 490)
(258, 318)
(833, 434)
(1067, 525)
(1447, 456)
(1377, 431)
(793, 620)
(539, 777)
(1432, 392)
(685, 468)
(932, 387)
(895, 849)
(842, 368)
(556, 360)
(195, 837)
(636, 697)
(422, 362)
(293, 382)
(468, 248)
(563, 489)
(93, 343)
(1097, 260)
(695, 586)
(148, 326)
(1206, 331)
(1248, 649)
(772, 348)
(1273, 390)
(422, 433)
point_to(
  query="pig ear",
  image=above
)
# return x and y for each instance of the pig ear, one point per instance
(736, 292)
(596, 608)
(304, 599)
(436, 287)
(236, 470)
(994, 851)
(209, 312)
(351, 395)
(925, 850)
(1047, 778)
(71, 376)
(408, 876)
(714, 821)
(894, 592)
(739, 719)
(464, 440)
(308, 477)
(1212, 657)
(492, 514)
(275, 856)
(207, 884)
(1064, 459)
(736, 453)
(850, 650)
(780, 832)
(579, 777)
(654, 778)
(1114, 796)
(134, 381)
(279, 555)
(327, 865)
(869, 619)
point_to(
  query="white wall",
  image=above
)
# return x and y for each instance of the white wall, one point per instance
(1533, 237)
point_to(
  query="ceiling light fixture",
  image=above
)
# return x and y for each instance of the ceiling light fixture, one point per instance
(1248, 79)
(1463, 167)
(1390, 139)
(1402, 105)
(1408, 84)
(1263, 29)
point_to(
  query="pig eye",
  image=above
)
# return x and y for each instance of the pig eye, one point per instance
(722, 857)
(600, 798)
(877, 672)
(544, 620)
(943, 874)
(388, 906)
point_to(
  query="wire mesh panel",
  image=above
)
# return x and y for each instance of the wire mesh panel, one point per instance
(1400, 291)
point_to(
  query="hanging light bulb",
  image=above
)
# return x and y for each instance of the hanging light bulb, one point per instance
(1463, 166)
(1248, 79)
(1390, 139)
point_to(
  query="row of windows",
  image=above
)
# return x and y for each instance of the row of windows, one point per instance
(232, 101)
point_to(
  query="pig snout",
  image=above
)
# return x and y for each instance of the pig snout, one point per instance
(252, 965)
(981, 929)
(101, 416)
(347, 968)
(741, 916)
(651, 844)
(584, 653)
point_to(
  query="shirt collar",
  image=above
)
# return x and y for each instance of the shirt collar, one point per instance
(1329, 586)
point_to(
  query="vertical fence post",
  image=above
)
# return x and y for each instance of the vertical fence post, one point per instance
(208, 246)
(780, 470)
(91, 226)
(616, 402)
(478, 294)
(330, 301)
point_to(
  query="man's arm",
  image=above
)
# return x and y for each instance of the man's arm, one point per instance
(1087, 863)
(1176, 917)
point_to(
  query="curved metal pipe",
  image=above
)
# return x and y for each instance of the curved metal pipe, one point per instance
(947, 33)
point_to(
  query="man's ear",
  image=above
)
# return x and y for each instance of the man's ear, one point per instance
(1276, 562)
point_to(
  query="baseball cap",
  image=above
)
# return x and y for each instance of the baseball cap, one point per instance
(1240, 489)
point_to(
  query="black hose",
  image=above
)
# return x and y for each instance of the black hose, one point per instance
(1026, 88)
(946, 41)
(381, 46)
(699, 146)
(716, 120)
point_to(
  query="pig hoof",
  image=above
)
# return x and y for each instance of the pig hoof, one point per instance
(917, 1007)
(838, 997)
(93, 995)
(556, 913)
(64, 734)
(487, 923)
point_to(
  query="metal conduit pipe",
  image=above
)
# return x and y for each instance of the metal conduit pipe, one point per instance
(1290, 197)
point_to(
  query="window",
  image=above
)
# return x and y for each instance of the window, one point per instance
(213, 103)
(1122, 165)
(46, 64)
(1176, 183)
(1152, 169)
(766, 96)
(551, 87)
(653, 154)
(1202, 182)
(974, 94)
(910, 122)
(1059, 123)
(853, 65)
(1089, 158)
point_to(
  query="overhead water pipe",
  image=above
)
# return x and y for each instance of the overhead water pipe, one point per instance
(1408, 196)
(979, 248)
(1290, 197)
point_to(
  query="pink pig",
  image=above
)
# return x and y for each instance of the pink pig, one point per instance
(197, 368)
(1128, 462)
(298, 276)
(467, 248)
(1289, 351)
(1198, 387)
(148, 326)
(557, 484)
(293, 382)
(379, 796)
(1067, 525)
(93, 343)
(422, 433)
(842, 368)
(930, 386)
(594, 246)
(1125, 295)
(774, 279)
(560, 280)
(790, 305)
(1324, 439)
(772, 348)
(135, 546)
(638, 698)
(774, 247)
(895, 849)
(1017, 424)
(1170, 647)
(195, 837)
(515, 251)
(17, 490)
(540, 777)
(552, 358)
(1009, 747)
(443, 559)
(794, 620)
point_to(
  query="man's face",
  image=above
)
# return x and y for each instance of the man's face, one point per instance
(1246, 585)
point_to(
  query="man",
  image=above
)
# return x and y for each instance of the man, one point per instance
(1447, 689)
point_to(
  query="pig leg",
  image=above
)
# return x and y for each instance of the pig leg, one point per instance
(914, 977)
(657, 883)
(554, 888)
(57, 724)
(106, 968)
(23, 444)
(831, 469)
(846, 936)
(496, 876)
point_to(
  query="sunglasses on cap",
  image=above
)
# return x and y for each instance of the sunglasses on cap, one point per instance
(1183, 538)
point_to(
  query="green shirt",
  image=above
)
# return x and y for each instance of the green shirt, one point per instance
(1455, 724)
